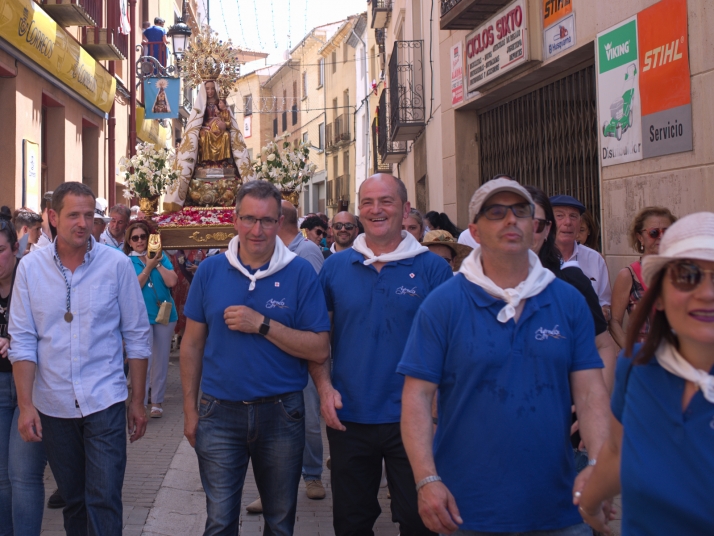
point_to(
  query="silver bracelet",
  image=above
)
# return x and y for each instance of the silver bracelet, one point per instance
(427, 480)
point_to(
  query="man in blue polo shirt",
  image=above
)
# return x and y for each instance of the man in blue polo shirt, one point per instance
(155, 40)
(373, 292)
(505, 343)
(255, 317)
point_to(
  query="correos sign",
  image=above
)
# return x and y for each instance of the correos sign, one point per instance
(497, 46)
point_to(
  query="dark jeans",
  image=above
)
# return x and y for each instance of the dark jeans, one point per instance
(270, 434)
(356, 471)
(88, 458)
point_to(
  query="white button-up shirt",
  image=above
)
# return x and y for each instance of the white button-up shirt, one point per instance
(593, 266)
(80, 366)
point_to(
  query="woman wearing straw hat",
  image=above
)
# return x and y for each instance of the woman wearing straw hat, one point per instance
(661, 447)
(445, 246)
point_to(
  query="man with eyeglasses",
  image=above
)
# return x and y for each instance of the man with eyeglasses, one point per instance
(256, 316)
(568, 212)
(373, 291)
(345, 230)
(505, 343)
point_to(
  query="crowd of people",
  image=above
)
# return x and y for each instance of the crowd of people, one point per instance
(460, 366)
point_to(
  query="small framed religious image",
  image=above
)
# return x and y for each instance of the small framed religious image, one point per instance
(161, 96)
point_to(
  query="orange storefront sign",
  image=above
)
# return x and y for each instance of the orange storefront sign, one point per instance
(554, 10)
(664, 56)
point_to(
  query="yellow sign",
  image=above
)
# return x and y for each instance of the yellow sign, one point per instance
(150, 131)
(28, 28)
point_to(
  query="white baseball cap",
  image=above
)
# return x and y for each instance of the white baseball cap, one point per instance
(691, 237)
(494, 186)
(100, 207)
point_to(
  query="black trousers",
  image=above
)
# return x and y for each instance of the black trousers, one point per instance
(356, 472)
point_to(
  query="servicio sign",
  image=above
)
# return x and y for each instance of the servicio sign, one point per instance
(497, 46)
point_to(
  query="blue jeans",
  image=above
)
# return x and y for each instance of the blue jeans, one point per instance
(574, 530)
(312, 456)
(88, 458)
(272, 435)
(22, 467)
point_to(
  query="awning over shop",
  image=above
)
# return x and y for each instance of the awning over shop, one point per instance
(150, 131)
(25, 26)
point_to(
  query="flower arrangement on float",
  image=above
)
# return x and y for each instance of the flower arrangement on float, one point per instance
(148, 175)
(197, 216)
(289, 169)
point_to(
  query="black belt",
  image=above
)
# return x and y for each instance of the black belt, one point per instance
(262, 400)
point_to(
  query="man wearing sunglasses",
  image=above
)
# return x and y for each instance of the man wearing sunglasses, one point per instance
(345, 230)
(316, 228)
(506, 343)
(568, 212)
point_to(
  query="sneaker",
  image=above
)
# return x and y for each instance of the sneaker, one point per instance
(256, 507)
(314, 489)
(56, 501)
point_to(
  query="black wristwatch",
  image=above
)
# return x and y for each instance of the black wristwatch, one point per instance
(265, 326)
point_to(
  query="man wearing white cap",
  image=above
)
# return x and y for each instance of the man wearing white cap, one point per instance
(100, 218)
(506, 343)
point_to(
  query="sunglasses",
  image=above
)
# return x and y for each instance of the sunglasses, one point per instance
(138, 237)
(655, 232)
(348, 226)
(319, 232)
(541, 225)
(498, 212)
(685, 276)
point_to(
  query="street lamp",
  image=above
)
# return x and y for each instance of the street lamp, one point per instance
(179, 34)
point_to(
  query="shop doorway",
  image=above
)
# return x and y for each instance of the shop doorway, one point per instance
(547, 138)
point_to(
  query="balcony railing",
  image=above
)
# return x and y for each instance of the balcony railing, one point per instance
(406, 90)
(329, 139)
(378, 166)
(468, 14)
(106, 42)
(342, 130)
(390, 152)
(330, 199)
(338, 191)
(74, 12)
(381, 12)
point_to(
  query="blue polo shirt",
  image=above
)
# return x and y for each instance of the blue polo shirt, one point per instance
(667, 455)
(245, 366)
(372, 313)
(502, 446)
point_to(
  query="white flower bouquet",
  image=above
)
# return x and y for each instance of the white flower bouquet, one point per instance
(287, 169)
(149, 173)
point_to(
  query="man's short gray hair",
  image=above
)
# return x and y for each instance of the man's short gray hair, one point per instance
(121, 209)
(259, 189)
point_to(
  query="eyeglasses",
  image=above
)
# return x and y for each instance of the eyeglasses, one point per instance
(655, 232)
(686, 276)
(541, 225)
(498, 212)
(266, 223)
(138, 237)
(319, 232)
(347, 226)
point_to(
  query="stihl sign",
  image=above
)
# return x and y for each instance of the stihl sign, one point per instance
(662, 55)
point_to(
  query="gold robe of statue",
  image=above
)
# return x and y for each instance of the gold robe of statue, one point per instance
(214, 140)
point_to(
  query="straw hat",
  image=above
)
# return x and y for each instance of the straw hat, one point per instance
(444, 238)
(691, 237)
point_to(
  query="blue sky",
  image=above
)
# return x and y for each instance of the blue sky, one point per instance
(274, 26)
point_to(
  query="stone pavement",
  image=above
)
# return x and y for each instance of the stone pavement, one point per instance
(163, 495)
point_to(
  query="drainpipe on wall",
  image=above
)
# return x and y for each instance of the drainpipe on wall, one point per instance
(132, 79)
(366, 103)
(111, 159)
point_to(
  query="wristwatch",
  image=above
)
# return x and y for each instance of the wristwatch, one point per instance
(265, 326)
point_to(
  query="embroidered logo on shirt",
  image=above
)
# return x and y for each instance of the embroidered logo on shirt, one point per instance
(272, 304)
(542, 334)
(277, 283)
(403, 291)
(411, 275)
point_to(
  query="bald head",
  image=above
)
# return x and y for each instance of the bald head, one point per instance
(400, 188)
(290, 213)
(344, 217)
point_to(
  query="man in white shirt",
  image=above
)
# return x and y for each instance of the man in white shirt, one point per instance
(73, 304)
(113, 235)
(568, 212)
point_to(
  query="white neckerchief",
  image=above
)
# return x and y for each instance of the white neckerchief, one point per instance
(137, 254)
(332, 248)
(538, 279)
(109, 239)
(407, 248)
(672, 361)
(282, 256)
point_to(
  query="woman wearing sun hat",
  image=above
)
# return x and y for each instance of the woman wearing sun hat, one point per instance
(445, 246)
(661, 448)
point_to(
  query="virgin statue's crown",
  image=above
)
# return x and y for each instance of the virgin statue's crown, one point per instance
(208, 58)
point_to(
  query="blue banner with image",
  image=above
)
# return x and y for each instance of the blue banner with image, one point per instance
(162, 98)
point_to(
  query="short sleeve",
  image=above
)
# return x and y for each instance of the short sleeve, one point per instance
(166, 262)
(622, 375)
(585, 354)
(312, 310)
(194, 302)
(425, 351)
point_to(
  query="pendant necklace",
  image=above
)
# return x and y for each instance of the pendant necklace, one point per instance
(68, 316)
